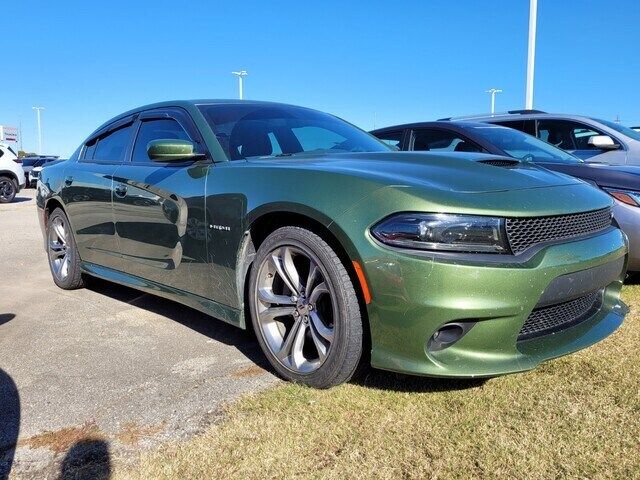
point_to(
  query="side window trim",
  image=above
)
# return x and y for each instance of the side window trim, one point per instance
(412, 137)
(181, 118)
(121, 123)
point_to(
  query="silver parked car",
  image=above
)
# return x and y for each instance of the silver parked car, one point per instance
(590, 139)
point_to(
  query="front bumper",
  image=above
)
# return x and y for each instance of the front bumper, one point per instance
(628, 217)
(415, 294)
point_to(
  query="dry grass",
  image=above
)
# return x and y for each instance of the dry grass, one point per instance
(61, 440)
(576, 417)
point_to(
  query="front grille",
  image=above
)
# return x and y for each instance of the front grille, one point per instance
(524, 233)
(545, 320)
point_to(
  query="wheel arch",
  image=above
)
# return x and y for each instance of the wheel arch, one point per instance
(267, 220)
(11, 175)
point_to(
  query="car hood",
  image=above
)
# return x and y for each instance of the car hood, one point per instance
(604, 175)
(455, 172)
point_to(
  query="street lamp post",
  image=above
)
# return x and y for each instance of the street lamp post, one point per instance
(38, 110)
(493, 92)
(240, 74)
(531, 52)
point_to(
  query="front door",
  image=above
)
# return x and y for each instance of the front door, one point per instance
(574, 137)
(159, 209)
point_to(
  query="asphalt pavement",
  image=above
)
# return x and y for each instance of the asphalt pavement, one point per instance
(103, 372)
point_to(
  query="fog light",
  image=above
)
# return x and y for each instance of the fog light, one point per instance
(448, 334)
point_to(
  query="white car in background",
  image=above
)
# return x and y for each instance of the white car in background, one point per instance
(12, 178)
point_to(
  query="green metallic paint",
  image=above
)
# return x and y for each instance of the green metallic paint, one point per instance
(171, 150)
(181, 232)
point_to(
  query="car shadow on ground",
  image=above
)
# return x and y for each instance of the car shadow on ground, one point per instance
(6, 317)
(246, 343)
(243, 340)
(397, 382)
(21, 199)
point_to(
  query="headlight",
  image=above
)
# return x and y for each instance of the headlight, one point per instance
(443, 232)
(629, 197)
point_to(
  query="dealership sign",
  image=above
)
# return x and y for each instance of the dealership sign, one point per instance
(8, 134)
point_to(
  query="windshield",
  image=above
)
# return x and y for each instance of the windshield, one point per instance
(520, 145)
(629, 132)
(264, 130)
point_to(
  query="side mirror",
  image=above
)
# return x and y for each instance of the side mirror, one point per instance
(603, 142)
(167, 150)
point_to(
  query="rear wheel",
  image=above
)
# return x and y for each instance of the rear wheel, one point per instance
(64, 260)
(304, 309)
(8, 189)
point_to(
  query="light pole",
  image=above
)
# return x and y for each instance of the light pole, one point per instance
(38, 110)
(531, 52)
(240, 74)
(493, 92)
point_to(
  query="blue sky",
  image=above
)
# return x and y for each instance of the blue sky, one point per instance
(404, 60)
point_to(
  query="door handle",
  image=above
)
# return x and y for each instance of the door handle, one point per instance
(120, 190)
(68, 181)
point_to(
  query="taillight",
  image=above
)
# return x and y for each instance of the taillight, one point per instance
(18, 160)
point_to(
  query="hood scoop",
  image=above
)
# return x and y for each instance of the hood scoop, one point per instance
(500, 162)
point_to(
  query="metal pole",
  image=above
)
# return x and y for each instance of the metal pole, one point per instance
(531, 52)
(38, 109)
(240, 74)
(493, 92)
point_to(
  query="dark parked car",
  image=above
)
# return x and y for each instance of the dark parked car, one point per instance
(621, 182)
(29, 163)
(591, 139)
(335, 247)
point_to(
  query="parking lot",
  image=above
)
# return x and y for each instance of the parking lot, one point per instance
(104, 363)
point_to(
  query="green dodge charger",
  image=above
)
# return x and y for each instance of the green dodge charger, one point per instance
(336, 249)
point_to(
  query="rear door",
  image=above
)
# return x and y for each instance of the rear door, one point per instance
(159, 207)
(87, 194)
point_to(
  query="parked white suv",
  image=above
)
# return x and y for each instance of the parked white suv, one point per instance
(12, 178)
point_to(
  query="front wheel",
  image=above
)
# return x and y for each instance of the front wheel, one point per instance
(304, 309)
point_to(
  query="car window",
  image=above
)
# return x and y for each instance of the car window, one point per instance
(89, 150)
(567, 135)
(519, 145)
(526, 126)
(629, 132)
(262, 130)
(317, 138)
(434, 140)
(393, 139)
(161, 129)
(113, 146)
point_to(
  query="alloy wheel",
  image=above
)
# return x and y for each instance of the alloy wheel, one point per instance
(295, 305)
(7, 189)
(58, 248)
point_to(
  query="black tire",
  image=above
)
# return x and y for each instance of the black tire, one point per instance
(344, 353)
(8, 189)
(72, 278)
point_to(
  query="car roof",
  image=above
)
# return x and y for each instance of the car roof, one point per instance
(187, 105)
(520, 115)
(456, 126)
